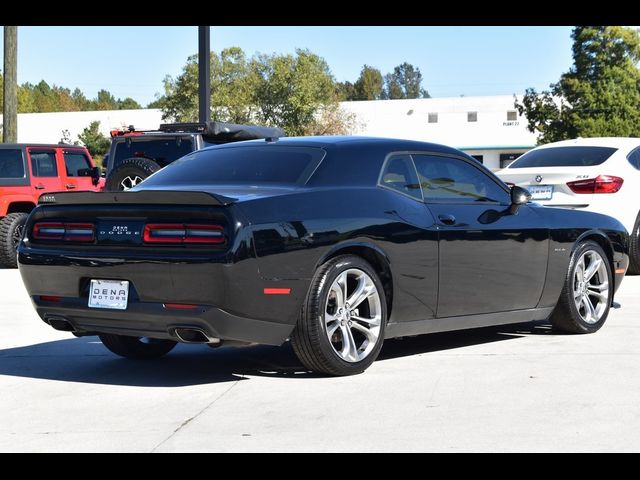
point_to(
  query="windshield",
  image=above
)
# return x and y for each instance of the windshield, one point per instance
(245, 165)
(564, 157)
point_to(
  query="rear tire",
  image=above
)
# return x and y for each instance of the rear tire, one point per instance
(10, 235)
(129, 173)
(333, 336)
(586, 296)
(634, 248)
(135, 347)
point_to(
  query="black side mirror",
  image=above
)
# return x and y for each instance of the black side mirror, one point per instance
(519, 196)
(95, 175)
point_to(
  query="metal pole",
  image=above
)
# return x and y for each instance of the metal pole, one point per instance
(204, 74)
(10, 109)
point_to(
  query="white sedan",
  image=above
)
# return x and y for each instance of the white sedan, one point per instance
(596, 174)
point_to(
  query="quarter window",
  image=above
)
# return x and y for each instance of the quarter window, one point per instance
(634, 158)
(399, 174)
(450, 180)
(43, 164)
(11, 165)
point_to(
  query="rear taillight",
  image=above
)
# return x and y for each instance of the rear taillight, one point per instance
(182, 233)
(600, 184)
(70, 232)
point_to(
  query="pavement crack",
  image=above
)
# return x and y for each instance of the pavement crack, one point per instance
(193, 417)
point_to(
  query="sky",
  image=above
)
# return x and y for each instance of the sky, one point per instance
(454, 61)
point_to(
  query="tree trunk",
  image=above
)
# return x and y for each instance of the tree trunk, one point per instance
(10, 111)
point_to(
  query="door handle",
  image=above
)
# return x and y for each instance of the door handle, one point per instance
(70, 186)
(447, 219)
(39, 187)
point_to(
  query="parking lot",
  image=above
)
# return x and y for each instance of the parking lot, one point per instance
(511, 388)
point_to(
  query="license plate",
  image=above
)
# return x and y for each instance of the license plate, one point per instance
(112, 294)
(541, 192)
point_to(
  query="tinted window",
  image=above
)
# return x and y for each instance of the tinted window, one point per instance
(399, 174)
(43, 164)
(75, 161)
(162, 151)
(251, 165)
(451, 180)
(11, 164)
(564, 157)
(634, 158)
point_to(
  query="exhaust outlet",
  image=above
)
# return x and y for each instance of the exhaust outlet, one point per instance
(60, 323)
(194, 335)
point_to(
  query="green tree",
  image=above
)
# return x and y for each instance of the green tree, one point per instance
(598, 96)
(128, 104)
(94, 140)
(104, 101)
(345, 91)
(282, 90)
(369, 85)
(404, 82)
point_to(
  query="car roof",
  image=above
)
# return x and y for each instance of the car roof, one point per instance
(614, 142)
(39, 145)
(391, 144)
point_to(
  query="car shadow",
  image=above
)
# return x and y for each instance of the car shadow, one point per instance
(85, 360)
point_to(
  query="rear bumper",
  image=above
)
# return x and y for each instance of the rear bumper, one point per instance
(229, 294)
(155, 321)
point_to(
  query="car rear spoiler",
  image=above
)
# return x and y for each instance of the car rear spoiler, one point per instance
(158, 197)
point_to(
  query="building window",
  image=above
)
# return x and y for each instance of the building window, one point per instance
(479, 158)
(472, 116)
(512, 116)
(507, 158)
(432, 118)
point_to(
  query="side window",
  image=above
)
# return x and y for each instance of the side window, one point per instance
(451, 180)
(398, 173)
(43, 164)
(634, 158)
(75, 161)
(11, 165)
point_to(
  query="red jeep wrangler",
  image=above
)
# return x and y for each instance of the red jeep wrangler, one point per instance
(29, 170)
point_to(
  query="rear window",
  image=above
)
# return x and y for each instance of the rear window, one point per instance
(246, 166)
(162, 151)
(11, 164)
(564, 157)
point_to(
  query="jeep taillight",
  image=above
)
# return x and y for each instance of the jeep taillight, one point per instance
(600, 184)
(70, 232)
(183, 233)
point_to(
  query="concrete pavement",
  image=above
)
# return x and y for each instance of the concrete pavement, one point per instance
(516, 388)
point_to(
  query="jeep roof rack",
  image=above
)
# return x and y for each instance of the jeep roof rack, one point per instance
(223, 131)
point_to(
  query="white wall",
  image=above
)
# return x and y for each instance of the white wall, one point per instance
(48, 127)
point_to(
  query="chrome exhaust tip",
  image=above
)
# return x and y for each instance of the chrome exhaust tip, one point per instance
(194, 335)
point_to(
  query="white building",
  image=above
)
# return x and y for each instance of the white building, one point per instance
(489, 128)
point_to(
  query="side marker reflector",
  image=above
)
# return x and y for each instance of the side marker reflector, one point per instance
(277, 291)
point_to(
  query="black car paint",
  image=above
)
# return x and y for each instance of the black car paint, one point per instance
(493, 265)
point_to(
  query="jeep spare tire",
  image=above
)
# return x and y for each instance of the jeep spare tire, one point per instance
(130, 173)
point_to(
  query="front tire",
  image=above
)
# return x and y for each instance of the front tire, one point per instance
(586, 297)
(11, 228)
(139, 348)
(341, 327)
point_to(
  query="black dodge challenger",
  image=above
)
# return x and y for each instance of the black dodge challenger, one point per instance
(334, 243)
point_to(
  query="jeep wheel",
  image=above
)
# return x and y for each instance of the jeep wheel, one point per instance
(10, 235)
(129, 173)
